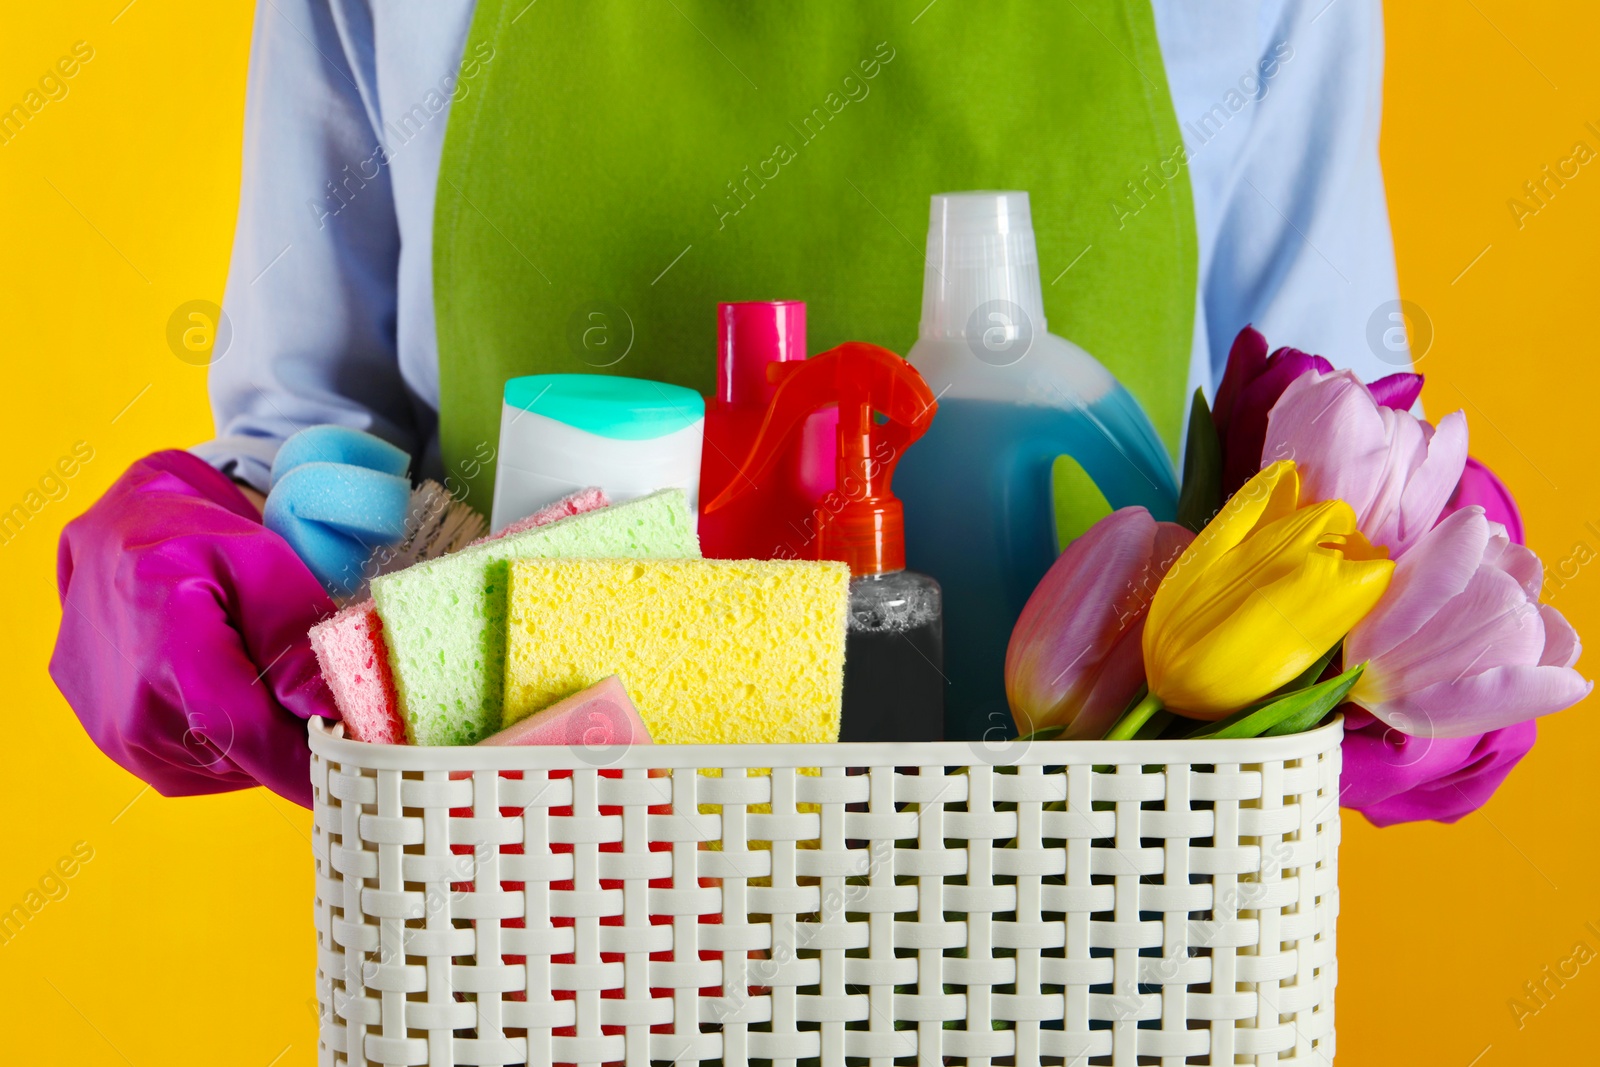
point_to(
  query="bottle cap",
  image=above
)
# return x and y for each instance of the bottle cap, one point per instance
(860, 522)
(626, 409)
(750, 335)
(982, 268)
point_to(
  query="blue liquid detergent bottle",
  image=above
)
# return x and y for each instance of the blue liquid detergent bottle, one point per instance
(977, 489)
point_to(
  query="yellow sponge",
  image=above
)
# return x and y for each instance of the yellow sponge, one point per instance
(712, 651)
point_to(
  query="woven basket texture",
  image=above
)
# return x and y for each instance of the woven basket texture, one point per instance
(1073, 903)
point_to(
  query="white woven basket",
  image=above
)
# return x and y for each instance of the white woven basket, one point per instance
(1056, 902)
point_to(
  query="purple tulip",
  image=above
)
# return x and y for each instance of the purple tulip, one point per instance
(1075, 657)
(1460, 644)
(1251, 384)
(1391, 777)
(1398, 391)
(1395, 469)
(1479, 486)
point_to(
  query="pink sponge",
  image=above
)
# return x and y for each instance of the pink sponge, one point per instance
(602, 714)
(590, 499)
(355, 664)
(349, 648)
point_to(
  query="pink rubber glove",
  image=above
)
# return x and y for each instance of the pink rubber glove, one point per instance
(183, 644)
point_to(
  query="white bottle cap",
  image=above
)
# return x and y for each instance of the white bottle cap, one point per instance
(982, 271)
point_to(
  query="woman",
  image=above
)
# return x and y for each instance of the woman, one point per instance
(434, 195)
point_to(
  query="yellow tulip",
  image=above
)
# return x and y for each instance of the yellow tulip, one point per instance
(1264, 590)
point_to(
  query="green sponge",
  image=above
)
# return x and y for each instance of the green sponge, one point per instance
(444, 621)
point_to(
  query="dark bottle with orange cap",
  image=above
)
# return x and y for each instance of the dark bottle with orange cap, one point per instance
(894, 648)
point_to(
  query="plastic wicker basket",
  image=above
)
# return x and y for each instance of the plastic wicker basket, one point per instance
(1053, 902)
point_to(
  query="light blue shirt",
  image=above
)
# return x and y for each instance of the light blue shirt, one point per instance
(330, 289)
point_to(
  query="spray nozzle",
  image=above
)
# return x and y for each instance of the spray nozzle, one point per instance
(861, 522)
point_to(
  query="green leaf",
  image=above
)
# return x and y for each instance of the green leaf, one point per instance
(1289, 714)
(1313, 672)
(1201, 496)
(1214, 729)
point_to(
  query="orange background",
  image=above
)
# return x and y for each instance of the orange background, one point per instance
(187, 937)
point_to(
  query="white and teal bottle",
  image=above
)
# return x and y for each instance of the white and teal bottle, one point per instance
(563, 432)
(1012, 398)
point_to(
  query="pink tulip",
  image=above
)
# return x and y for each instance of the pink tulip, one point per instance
(1391, 777)
(1075, 657)
(1395, 469)
(1479, 486)
(1460, 644)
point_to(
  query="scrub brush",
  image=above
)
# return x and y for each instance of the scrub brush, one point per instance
(436, 523)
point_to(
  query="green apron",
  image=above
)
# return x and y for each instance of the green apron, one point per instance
(624, 166)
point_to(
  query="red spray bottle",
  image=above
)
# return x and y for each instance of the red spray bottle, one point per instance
(769, 521)
(894, 646)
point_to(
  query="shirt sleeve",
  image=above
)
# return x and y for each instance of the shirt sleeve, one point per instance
(311, 293)
(1279, 104)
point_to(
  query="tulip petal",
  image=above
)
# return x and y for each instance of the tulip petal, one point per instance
(1271, 494)
(1392, 778)
(1243, 447)
(1170, 541)
(1272, 552)
(1272, 634)
(1561, 645)
(1519, 561)
(1269, 635)
(1398, 391)
(1119, 677)
(1490, 624)
(1429, 486)
(1493, 699)
(1246, 359)
(1424, 581)
(1394, 469)
(1337, 437)
(1449, 659)
(1074, 658)
(1479, 486)
(1405, 445)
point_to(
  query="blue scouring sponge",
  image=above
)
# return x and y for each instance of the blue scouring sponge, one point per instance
(339, 444)
(337, 496)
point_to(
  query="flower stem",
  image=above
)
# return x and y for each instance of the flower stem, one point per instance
(1130, 723)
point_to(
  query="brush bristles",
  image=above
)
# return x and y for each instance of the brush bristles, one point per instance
(437, 523)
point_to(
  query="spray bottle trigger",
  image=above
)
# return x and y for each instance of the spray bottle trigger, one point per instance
(860, 378)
